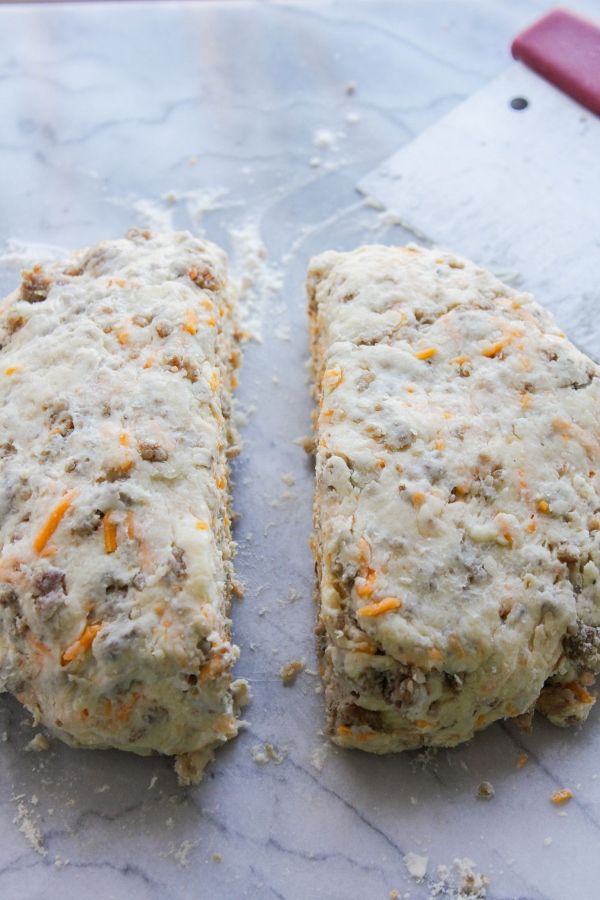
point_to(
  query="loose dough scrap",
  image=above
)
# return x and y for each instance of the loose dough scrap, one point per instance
(456, 510)
(115, 570)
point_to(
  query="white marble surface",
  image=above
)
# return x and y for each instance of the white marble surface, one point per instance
(105, 108)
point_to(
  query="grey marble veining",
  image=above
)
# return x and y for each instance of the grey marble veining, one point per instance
(105, 109)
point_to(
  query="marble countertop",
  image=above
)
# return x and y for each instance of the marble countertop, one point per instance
(252, 123)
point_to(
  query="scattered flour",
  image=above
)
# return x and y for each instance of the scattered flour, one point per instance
(200, 201)
(151, 214)
(461, 882)
(21, 254)
(29, 829)
(319, 756)
(259, 279)
(181, 853)
(470, 883)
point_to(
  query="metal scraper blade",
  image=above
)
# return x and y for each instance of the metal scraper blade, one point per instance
(516, 190)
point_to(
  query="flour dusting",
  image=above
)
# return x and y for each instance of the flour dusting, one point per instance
(29, 829)
(152, 214)
(267, 753)
(24, 254)
(461, 882)
(259, 279)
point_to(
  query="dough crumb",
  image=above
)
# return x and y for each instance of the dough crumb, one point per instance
(289, 479)
(216, 857)
(37, 744)
(560, 797)
(470, 883)
(521, 760)
(416, 865)
(307, 442)
(267, 753)
(547, 841)
(485, 791)
(290, 671)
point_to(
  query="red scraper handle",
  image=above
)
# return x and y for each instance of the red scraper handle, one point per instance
(565, 50)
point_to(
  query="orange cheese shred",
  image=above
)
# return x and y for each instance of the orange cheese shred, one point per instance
(110, 533)
(428, 353)
(332, 378)
(560, 797)
(52, 522)
(521, 760)
(580, 692)
(388, 604)
(365, 590)
(494, 349)
(191, 321)
(81, 644)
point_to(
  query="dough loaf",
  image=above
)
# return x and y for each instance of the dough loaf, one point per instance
(457, 514)
(115, 571)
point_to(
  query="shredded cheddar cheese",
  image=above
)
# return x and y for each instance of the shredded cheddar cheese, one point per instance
(191, 321)
(110, 533)
(428, 353)
(493, 350)
(560, 797)
(580, 692)
(332, 378)
(388, 604)
(84, 642)
(52, 522)
(365, 590)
